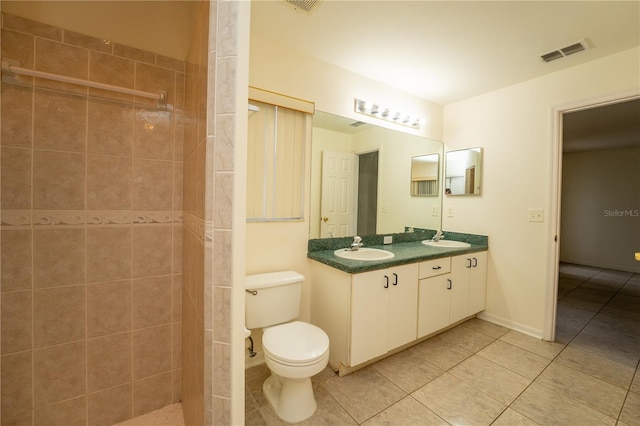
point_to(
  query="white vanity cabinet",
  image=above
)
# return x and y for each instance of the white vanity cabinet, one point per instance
(475, 265)
(370, 314)
(434, 297)
(452, 290)
(384, 311)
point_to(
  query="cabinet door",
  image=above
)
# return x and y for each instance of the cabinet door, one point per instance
(403, 305)
(433, 304)
(369, 315)
(460, 266)
(478, 282)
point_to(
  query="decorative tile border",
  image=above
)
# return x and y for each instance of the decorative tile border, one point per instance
(16, 218)
(61, 218)
(65, 217)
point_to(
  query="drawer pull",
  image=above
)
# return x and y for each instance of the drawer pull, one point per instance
(436, 268)
(386, 278)
(450, 284)
(396, 277)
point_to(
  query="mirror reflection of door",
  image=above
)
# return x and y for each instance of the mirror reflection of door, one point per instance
(470, 180)
(367, 193)
(337, 208)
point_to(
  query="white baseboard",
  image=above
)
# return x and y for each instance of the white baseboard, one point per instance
(253, 361)
(513, 325)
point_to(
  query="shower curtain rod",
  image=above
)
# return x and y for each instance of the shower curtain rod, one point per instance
(9, 66)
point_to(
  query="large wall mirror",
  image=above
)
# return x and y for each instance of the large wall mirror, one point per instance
(463, 172)
(360, 174)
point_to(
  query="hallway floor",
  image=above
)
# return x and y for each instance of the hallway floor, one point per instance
(480, 373)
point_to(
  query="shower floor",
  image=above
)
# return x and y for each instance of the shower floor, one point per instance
(171, 415)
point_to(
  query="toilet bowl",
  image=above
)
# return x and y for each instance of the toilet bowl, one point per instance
(293, 350)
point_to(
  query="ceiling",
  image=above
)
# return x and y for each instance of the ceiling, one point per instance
(445, 51)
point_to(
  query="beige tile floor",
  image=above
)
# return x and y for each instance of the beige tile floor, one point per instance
(479, 373)
(171, 415)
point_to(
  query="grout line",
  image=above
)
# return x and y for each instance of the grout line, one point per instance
(32, 232)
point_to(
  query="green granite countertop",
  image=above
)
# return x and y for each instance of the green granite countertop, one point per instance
(405, 252)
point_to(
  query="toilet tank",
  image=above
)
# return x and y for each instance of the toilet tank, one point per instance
(272, 298)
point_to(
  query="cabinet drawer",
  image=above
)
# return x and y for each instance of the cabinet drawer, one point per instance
(431, 268)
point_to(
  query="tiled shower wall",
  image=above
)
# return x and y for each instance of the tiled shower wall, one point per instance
(208, 209)
(91, 237)
(194, 221)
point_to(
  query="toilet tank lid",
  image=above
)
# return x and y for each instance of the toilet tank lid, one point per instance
(271, 279)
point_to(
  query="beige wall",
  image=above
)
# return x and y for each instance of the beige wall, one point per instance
(333, 89)
(601, 208)
(163, 27)
(91, 235)
(514, 126)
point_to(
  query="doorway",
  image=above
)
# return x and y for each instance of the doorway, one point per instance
(367, 202)
(588, 134)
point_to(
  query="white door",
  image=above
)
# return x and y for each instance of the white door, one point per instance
(337, 204)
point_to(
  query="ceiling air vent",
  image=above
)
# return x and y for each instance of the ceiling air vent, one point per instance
(565, 51)
(357, 124)
(305, 6)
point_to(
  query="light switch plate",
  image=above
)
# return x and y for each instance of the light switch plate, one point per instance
(450, 211)
(536, 215)
(388, 239)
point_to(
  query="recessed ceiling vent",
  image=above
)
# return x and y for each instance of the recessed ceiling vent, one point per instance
(565, 51)
(305, 6)
(357, 124)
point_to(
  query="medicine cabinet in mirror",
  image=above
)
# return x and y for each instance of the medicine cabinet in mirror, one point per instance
(463, 172)
(359, 178)
(424, 174)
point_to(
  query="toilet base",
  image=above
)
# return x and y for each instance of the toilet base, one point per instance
(291, 399)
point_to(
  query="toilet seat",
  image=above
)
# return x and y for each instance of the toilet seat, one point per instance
(296, 343)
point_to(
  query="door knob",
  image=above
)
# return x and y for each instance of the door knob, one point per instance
(324, 219)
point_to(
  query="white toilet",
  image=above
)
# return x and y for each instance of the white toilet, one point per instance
(294, 351)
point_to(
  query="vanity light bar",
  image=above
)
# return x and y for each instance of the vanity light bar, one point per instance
(385, 113)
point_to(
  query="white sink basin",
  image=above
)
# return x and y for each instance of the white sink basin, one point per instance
(366, 254)
(446, 244)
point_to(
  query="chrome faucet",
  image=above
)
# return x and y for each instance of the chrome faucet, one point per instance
(438, 236)
(356, 244)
